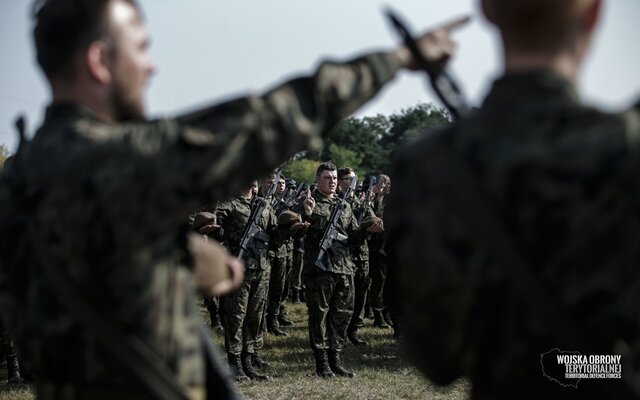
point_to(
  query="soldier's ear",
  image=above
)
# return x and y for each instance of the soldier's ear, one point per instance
(98, 63)
(592, 15)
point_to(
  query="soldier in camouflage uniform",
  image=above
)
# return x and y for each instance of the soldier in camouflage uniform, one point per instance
(556, 184)
(329, 293)
(244, 308)
(204, 222)
(279, 255)
(102, 196)
(360, 253)
(297, 260)
(378, 257)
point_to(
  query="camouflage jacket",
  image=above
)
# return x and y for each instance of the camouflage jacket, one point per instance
(281, 247)
(233, 217)
(338, 258)
(378, 240)
(359, 245)
(563, 180)
(110, 201)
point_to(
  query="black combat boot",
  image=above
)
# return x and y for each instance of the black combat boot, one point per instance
(13, 370)
(378, 320)
(303, 295)
(368, 311)
(336, 365)
(257, 361)
(386, 315)
(274, 328)
(247, 365)
(397, 332)
(352, 335)
(216, 322)
(236, 367)
(295, 296)
(322, 364)
(282, 319)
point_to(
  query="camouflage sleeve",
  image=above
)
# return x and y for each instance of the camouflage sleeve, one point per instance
(435, 294)
(246, 137)
(222, 214)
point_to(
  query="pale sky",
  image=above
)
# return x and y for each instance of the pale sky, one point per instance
(210, 50)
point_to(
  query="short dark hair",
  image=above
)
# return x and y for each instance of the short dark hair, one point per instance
(325, 167)
(63, 28)
(344, 171)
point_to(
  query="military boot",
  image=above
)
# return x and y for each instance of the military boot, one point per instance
(282, 318)
(386, 315)
(216, 322)
(303, 295)
(247, 365)
(368, 311)
(13, 370)
(236, 367)
(274, 328)
(322, 364)
(352, 335)
(397, 332)
(336, 365)
(295, 296)
(257, 361)
(378, 320)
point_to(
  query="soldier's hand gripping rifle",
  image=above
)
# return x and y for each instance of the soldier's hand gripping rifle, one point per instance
(330, 233)
(444, 85)
(367, 200)
(289, 200)
(258, 209)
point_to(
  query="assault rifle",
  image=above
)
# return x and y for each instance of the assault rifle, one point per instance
(330, 233)
(258, 208)
(367, 199)
(289, 200)
(443, 84)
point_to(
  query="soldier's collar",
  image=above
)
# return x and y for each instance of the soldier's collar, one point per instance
(539, 86)
(68, 109)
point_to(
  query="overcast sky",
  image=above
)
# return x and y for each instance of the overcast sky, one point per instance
(210, 50)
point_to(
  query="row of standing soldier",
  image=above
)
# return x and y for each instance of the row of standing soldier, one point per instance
(261, 226)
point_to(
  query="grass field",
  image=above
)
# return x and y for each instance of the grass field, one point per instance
(380, 372)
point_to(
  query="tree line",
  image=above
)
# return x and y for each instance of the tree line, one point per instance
(367, 144)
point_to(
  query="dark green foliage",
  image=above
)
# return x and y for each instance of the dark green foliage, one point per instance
(366, 144)
(4, 153)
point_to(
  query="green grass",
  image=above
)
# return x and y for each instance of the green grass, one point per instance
(381, 373)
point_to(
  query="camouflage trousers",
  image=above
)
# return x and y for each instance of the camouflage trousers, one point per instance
(361, 283)
(297, 262)
(378, 275)
(330, 306)
(244, 310)
(278, 284)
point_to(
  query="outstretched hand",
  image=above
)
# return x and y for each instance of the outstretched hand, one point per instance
(437, 45)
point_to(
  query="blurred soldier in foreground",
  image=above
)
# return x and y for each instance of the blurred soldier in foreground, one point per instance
(516, 232)
(93, 210)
